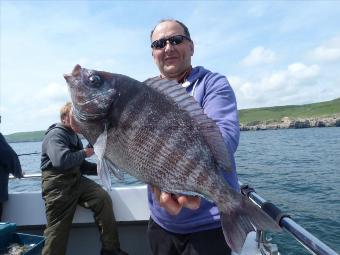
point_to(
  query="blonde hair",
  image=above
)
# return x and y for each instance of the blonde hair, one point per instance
(65, 110)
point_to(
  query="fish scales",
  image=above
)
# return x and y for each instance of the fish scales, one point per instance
(164, 154)
(157, 133)
(209, 130)
(147, 131)
(175, 148)
(145, 152)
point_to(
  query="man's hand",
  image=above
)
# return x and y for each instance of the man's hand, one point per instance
(89, 152)
(174, 204)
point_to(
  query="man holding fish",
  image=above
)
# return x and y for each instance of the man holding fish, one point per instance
(189, 224)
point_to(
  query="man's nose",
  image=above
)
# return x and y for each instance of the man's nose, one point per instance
(168, 46)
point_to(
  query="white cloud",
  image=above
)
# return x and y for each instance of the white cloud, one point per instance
(53, 92)
(300, 71)
(327, 52)
(260, 55)
(34, 110)
(281, 87)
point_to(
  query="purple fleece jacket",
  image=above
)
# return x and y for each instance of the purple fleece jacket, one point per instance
(214, 93)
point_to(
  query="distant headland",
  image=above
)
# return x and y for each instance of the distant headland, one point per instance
(323, 114)
(286, 122)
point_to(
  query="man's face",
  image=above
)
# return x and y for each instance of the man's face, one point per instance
(70, 122)
(172, 60)
(73, 123)
(66, 121)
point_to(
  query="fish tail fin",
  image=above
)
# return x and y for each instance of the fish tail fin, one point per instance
(235, 229)
(239, 221)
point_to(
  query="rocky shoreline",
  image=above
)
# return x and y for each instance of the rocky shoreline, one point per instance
(287, 122)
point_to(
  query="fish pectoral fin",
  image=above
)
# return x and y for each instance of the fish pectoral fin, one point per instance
(111, 167)
(104, 165)
(104, 173)
(100, 145)
(104, 169)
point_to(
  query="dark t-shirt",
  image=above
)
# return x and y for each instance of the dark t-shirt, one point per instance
(9, 163)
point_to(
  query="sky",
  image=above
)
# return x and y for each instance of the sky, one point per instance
(272, 52)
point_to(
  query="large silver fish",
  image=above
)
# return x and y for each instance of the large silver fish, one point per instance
(159, 134)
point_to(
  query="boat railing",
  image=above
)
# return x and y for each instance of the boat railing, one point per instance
(309, 241)
(27, 176)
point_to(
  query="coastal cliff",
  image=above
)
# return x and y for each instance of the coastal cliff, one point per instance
(322, 114)
(287, 122)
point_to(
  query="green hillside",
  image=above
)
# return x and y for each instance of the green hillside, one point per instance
(247, 117)
(25, 136)
(276, 113)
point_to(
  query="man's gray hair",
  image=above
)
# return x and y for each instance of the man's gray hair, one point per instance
(185, 28)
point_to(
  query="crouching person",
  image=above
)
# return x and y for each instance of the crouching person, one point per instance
(64, 187)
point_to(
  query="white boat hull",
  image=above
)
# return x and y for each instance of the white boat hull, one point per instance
(131, 210)
(27, 210)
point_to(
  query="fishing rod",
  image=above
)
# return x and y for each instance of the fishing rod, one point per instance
(309, 241)
(27, 176)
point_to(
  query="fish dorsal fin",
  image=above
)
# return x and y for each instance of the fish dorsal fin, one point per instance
(207, 126)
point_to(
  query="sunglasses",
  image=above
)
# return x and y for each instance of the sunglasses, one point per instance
(173, 40)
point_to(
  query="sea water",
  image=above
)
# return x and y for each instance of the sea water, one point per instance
(296, 169)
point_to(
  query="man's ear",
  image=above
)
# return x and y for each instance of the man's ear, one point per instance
(192, 48)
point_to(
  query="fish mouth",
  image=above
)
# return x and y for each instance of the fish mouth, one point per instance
(76, 72)
(67, 77)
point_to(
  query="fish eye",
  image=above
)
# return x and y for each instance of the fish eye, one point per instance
(94, 80)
